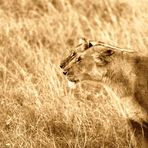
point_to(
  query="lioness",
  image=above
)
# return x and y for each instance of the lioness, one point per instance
(124, 71)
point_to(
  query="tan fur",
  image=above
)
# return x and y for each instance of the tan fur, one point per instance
(124, 71)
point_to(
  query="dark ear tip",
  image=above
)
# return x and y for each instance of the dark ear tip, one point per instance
(90, 45)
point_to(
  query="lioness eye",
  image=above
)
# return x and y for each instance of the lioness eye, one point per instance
(73, 54)
(79, 59)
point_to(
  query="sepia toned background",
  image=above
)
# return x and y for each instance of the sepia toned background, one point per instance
(37, 110)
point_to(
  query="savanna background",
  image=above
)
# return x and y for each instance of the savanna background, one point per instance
(37, 109)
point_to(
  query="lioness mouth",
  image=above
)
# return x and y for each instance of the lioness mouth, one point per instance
(73, 80)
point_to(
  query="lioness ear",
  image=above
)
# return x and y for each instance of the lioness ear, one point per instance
(104, 57)
(82, 41)
(85, 43)
(107, 53)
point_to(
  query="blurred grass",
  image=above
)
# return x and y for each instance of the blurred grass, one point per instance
(36, 108)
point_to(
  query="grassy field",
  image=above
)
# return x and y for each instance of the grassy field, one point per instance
(37, 109)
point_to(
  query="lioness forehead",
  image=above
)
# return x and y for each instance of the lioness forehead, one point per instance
(85, 44)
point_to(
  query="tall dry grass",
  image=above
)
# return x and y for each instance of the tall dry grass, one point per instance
(37, 110)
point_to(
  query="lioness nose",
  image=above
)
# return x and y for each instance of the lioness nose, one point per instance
(65, 72)
(61, 65)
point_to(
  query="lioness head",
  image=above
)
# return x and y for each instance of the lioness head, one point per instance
(94, 61)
